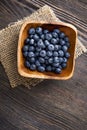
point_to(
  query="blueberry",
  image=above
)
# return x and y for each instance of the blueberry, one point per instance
(68, 44)
(31, 36)
(48, 36)
(61, 53)
(58, 70)
(60, 59)
(41, 60)
(40, 43)
(64, 48)
(54, 34)
(32, 67)
(31, 31)
(25, 48)
(31, 41)
(61, 35)
(32, 60)
(27, 41)
(27, 64)
(56, 59)
(41, 69)
(60, 67)
(56, 30)
(55, 53)
(36, 37)
(38, 49)
(63, 65)
(31, 54)
(37, 63)
(45, 31)
(65, 60)
(57, 40)
(55, 64)
(62, 42)
(31, 48)
(25, 54)
(46, 57)
(53, 41)
(36, 54)
(50, 60)
(42, 36)
(49, 53)
(49, 68)
(39, 30)
(57, 47)
(46, 42)
(67, 55)
(51, 47)
(43, 53)
(66, 39)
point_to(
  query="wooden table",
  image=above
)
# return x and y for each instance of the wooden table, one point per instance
(51, 105)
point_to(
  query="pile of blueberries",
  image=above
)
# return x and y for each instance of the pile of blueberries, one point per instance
(46, 50)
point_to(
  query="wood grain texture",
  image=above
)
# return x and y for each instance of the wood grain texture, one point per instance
(52, 105)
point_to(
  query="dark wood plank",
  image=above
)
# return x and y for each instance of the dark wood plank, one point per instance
(51, 105)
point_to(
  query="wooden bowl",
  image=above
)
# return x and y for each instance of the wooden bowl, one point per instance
(67, 73)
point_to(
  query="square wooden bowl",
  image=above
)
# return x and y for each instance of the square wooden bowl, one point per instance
(69, 30)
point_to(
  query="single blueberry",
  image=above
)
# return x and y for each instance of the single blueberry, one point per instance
(61, 53)
(31, 48)
(27, 41)
(37, 63)
(38, 49)
(60, 59)
(41, 69)
(57, 40)
(32, 60)
(46, 42)
(25, 48)
(64, 48)
(62, 42)
(64, 59)
(68, 44)
(46, 57)
(48, 36)
(55, 64)
(57, 47)
(63, 65)
(58, 70)
(41, 60)
(39, 30)
(25, 54)
(40, 43)
(54, 34)
(67, 54)
(42, 53)
(51, 47)
(66, 39)
(36, 54)
(55, 53)
(31, 41)
(45, 31)
(53, 41)
(56, 59)
(42, 36)
(56, 30)
(50, 60)
(49, 68)
(36, 37)
(31, 36)
(62, 35)
(27, 64)
(31, 54)
(31, 31)
(32, 67)
(49, 53)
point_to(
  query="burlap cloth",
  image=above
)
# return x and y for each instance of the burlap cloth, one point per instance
(9, 42)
